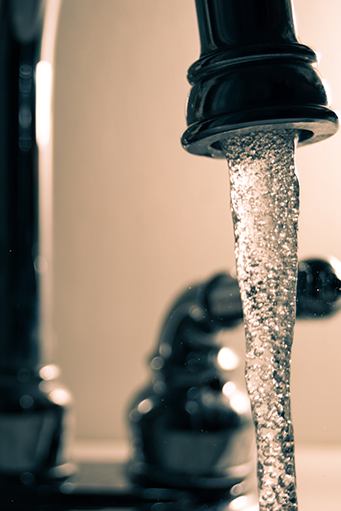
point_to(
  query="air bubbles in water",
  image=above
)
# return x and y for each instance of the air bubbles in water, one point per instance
(265, 207)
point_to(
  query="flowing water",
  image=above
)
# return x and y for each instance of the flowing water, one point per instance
(265, 207)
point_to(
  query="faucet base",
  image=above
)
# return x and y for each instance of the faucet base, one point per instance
(149, 476)
(52, 477)
(34, 411)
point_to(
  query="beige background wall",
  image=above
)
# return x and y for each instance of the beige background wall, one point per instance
(137, 218)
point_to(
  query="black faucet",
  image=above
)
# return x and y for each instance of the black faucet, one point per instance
(252, 75)
(33, 406)
(191, 426)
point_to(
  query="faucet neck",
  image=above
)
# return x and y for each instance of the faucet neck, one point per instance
(232, 24)
(21, 31)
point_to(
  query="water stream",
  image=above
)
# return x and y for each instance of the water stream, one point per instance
(265, 207)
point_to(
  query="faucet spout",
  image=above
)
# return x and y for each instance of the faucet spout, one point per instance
(252, 74)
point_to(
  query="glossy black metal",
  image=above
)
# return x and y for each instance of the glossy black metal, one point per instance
(33, 431)
(318, 288)
(187, 431)
(33, 405)
(252, 75)
(19, 290)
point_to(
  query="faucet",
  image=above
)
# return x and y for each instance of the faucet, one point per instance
(191, 426)
(287, 92)
(33, 405)
(252, 75)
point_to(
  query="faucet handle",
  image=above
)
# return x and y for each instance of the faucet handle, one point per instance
(318, 287)
(318, 292)
(191, 427)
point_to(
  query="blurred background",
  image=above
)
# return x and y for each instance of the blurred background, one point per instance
(137, 219)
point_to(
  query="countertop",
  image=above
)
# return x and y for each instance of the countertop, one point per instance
(318, 470)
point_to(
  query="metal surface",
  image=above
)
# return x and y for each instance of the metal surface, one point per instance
(34, 407)
(252, 75)
(19, 238)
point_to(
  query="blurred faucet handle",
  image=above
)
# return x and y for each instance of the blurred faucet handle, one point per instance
(223, 300)
(318, 292)
(318, 287)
